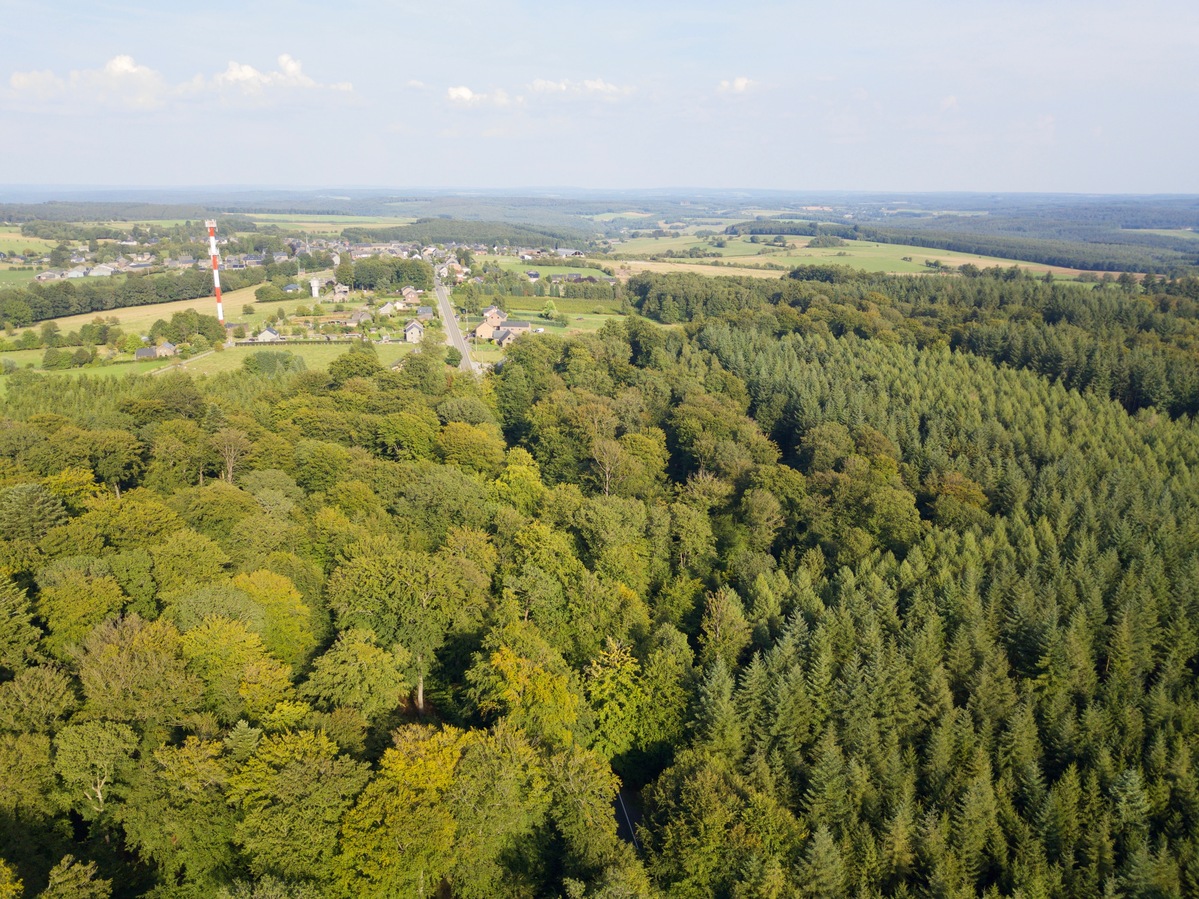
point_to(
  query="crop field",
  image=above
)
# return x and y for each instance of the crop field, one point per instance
(326, 224)
(695, 266)
(140, 318)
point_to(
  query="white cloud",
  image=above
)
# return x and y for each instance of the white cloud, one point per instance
(599, 86)
(124, 83)
(464, 96)
(586, 86)
(738, 85)
(948, 103)
(121, 83)
(40, 85)
(290, 74)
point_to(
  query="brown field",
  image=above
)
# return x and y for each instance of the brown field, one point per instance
(632, 267)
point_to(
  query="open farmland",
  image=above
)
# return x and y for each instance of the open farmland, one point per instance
(865, 255)
(15, 276)
(12, 241)
(512, 264)
(315, 355)
(326, 224)
(140, 318)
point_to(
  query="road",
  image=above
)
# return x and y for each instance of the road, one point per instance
(453, 334)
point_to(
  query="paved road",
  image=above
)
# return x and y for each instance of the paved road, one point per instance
(453, 335)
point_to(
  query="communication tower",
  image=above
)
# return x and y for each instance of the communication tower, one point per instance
(216, 270)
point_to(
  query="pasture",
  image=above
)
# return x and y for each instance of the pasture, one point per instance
(864, 255)
(227, 359)
(612, 216)
(15, 276)
(1185, 233)
(12, 241)
(512, 264)
(315, 355)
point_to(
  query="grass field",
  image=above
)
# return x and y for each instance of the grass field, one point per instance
(315, 355)
(611, 216)
(511, 264)
(1187, 233)
(11, 241)
(14, 276)
(865, 255)
(876, 257)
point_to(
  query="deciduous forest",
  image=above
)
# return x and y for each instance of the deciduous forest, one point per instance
(847, 585)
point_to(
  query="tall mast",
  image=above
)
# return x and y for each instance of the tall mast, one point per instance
(216, 270)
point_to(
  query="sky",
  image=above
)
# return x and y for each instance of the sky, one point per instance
(879, 95)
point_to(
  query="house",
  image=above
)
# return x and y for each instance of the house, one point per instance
(495, 315)
(414, 332)
(533, 275)
(519, 327)
(564, 252)
(424, 313)
(485, 330)
(504, 338)
(101, 271)
(389, 308)
(267, 335)
(292, 288)
(156, 352)
(49, 276)
(360, 317)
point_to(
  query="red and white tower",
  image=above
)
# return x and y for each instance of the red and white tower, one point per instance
(216, 270)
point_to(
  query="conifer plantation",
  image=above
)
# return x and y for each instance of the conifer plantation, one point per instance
(848, 585)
